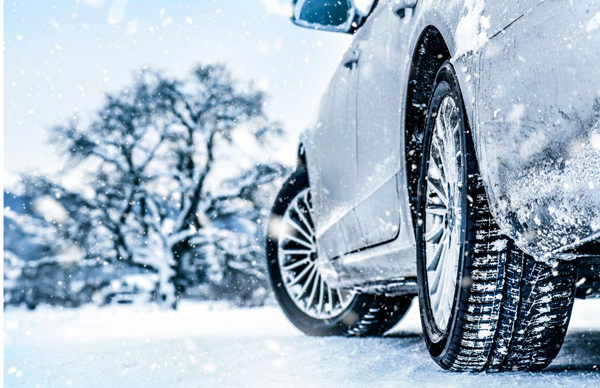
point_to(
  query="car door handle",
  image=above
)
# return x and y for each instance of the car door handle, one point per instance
(401, 7)
(351, 57)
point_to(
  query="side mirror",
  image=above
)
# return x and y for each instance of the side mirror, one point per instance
(330, 15)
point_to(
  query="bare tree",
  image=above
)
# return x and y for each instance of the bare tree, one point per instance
(146, 159)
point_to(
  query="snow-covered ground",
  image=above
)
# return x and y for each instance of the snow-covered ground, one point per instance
(211, 345)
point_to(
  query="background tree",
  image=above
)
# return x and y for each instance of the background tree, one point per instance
(146, 195)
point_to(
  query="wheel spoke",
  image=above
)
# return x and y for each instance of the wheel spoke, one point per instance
(439, 191)
(296, 264)
(321, 296)
(444, 275)
(309, 280)
(300, 230)
(447, 116)
(330, 303)
(307, 212)
(441, 291)
(297, 258)
(338, 295)
(439, 250)
(437, 165)
(456, 127)
(435, 232)
(304, 220)
(297, 240)
(301, 274)
(315, 283)
(293, 252)
(442, 155)
(438, 211)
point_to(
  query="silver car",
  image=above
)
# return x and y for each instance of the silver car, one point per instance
(455, 156)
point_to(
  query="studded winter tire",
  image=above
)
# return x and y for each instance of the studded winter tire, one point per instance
(484, 304)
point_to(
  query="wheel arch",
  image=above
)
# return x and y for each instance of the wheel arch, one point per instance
(430, 52)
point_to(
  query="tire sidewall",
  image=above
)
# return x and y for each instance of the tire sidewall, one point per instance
(439, 341)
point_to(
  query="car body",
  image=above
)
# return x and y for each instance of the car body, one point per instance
(530, 81)
(455, 156)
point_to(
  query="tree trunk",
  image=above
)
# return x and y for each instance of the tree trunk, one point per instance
(166, 289)
(178, 278)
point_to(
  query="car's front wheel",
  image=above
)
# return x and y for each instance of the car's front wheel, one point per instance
(484, 304)
(302, 292)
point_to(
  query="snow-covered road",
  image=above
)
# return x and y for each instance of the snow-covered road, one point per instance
(210, 345)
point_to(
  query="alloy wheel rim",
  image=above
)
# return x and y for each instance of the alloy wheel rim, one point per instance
(443, 211)
(297, 254)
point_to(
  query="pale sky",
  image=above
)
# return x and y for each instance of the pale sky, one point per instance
(61, 56)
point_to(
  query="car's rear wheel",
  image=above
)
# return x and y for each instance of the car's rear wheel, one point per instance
(303, 294)
(484, 304)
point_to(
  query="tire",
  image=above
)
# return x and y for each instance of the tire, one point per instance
(508, 311)
(362, 314)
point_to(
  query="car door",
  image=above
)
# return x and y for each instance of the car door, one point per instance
(334, 179)
(384, 57)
